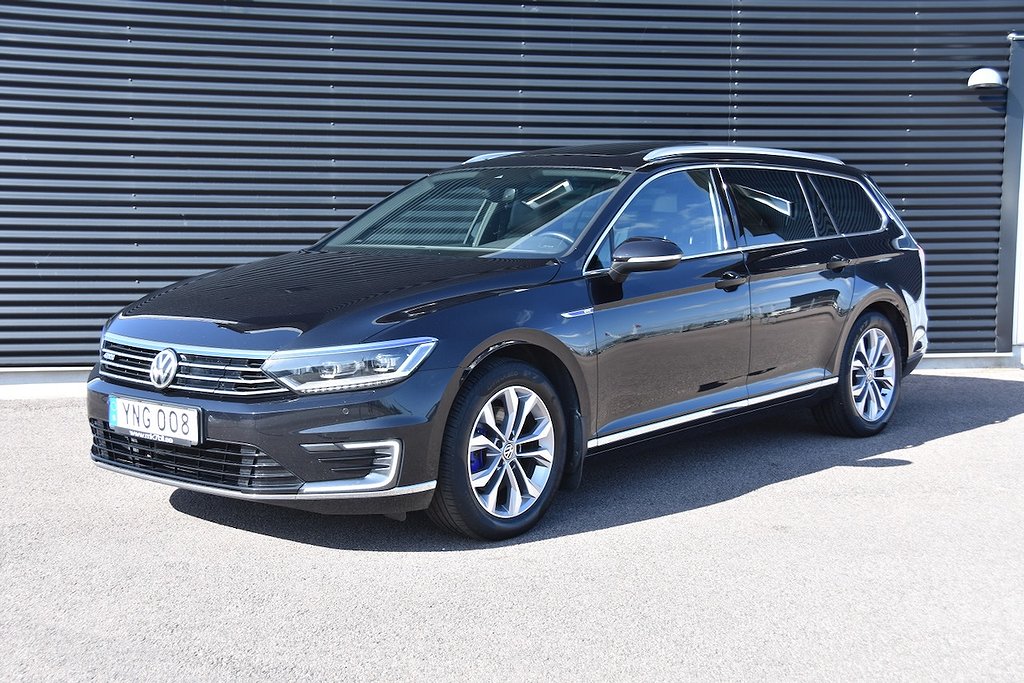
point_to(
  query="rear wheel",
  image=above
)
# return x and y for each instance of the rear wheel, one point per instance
(502, 455)
(869, 380)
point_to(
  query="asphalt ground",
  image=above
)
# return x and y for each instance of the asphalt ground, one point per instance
(765, 551)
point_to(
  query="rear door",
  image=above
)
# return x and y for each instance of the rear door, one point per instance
(858, 217)
(801, 276)
(675, 341)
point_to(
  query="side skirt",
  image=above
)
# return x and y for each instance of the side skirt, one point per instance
(710, 413)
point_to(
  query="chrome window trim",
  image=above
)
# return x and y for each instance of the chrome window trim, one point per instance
(253, 354)
(882, 214)
(707, 412)
(680, 150)
(886, 203)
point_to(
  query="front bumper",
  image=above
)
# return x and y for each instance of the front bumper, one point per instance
(317, 497)
(306, 436)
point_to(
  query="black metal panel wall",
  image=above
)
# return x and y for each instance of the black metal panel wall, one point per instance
(143, 142)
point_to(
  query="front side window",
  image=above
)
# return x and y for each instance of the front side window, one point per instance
(504, 212)
(770, 205)
(848, 203)
(681, 207)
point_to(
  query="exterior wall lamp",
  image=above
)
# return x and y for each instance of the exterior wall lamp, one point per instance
(985, 78)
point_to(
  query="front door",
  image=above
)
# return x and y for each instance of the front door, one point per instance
(676, 341)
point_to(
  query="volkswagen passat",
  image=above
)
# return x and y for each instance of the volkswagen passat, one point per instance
(462, 346)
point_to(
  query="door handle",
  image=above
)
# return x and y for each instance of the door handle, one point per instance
(731, 280)
(837, 263)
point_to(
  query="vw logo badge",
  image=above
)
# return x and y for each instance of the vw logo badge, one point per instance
(163, 368)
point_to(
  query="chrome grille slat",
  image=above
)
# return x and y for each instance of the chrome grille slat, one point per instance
(231, 375)
(125, 354)
(138, 368)
(125, 379)
(235, 380)
(213, 366)
(225, 392)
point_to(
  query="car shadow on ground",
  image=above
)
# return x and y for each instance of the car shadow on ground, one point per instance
(663, 477)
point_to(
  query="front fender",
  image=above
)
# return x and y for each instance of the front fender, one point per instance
(475, 330)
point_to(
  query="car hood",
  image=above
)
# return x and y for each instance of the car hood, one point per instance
(268, 304)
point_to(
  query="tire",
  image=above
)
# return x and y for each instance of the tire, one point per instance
(859, 406)
(515, 479)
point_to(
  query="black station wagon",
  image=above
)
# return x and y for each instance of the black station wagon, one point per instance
(463, 345)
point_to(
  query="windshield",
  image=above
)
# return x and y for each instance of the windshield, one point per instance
(506, 212)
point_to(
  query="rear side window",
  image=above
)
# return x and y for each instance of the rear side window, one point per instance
(770, 205)
(848, 203)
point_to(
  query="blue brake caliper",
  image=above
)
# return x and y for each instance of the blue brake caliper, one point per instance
(476, 458)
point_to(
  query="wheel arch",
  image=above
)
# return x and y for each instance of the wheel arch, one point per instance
(889, 304)
(558, 364)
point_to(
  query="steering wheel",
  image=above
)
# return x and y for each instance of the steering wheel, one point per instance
(559, 235)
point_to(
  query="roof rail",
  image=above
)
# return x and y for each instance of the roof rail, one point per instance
(485, 157)
(679, 150)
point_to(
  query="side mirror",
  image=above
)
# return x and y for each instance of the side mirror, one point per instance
(643, 253)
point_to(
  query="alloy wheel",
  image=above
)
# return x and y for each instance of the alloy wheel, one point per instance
(511, 452)
(873, 374)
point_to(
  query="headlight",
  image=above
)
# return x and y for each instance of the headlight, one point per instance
(341, 368)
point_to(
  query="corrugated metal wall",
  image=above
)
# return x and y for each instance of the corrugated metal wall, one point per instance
(143, 142)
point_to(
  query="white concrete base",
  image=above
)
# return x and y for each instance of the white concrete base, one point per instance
(23, 383)
(955, 361)
(15, 392)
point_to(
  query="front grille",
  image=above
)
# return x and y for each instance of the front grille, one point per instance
(233, 376)
(235, 466)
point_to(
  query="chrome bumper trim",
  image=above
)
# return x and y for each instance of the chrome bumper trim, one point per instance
(375, 481)
(320, 490)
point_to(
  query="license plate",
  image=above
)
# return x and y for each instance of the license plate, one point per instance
(154, 421)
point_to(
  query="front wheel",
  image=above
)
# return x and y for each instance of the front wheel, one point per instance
(502, 455)
(869, 380)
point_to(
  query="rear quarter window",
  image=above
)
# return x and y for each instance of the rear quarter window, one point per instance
(848, 204)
